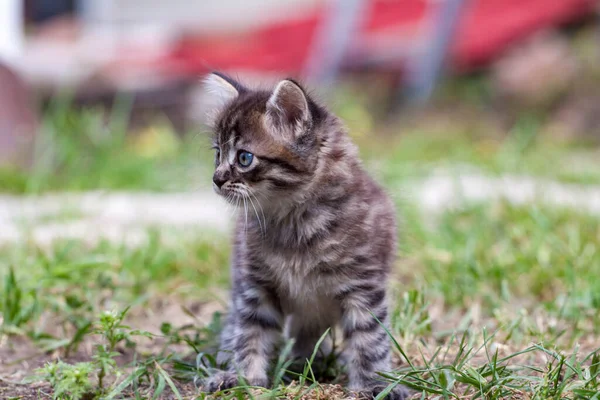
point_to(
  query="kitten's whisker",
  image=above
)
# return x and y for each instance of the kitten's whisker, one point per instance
(227, 204)
(262, 196)
(236, 205)
(230, 207)
(256, 213)
(243, 196)
(246, 212)
(262, 211)
(263, 227)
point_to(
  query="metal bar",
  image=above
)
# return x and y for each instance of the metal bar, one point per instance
(425, 70)
(333, 39)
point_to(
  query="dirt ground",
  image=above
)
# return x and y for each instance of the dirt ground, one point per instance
(20, 357)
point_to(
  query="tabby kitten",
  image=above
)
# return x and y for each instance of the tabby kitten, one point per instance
(314, 242)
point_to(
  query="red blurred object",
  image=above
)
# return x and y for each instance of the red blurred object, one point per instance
(489, 26)
(485, 29)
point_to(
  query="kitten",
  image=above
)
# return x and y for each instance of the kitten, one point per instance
(315, 242)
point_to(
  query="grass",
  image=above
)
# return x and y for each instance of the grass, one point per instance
(79, 150)
(525, 150)
(496, 301)
(490, 301)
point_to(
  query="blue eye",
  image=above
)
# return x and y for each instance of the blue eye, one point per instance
(245, 158)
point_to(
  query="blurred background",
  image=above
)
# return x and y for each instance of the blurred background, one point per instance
(480, 117)
(391, 66)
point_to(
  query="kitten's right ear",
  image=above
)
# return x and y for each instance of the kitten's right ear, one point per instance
(288, 110)
(219, 90)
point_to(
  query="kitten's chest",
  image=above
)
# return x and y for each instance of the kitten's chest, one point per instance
(292, 262)
(295, 275)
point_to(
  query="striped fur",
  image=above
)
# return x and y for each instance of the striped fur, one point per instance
(314, 241)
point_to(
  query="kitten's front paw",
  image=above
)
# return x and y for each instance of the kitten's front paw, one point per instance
(221, 381)
(224, 380)
(399, 392)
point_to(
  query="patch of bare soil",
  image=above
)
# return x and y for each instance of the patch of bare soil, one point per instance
(20, 357)
(33, 391)
(18, 360)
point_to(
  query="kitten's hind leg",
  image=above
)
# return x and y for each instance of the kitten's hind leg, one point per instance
(364, 314)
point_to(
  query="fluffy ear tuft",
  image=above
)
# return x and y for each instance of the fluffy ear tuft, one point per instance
(218, 91)
(288, 106)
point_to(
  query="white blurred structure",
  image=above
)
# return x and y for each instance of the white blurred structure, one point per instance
(201, 15)
(11, 30)
(111, 28)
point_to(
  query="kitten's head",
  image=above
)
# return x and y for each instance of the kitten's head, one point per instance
(265, 142)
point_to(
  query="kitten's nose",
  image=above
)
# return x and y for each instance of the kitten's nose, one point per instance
(219, 180)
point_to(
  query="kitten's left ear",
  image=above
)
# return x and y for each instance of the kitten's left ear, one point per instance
(288, 108)
(219, 90)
